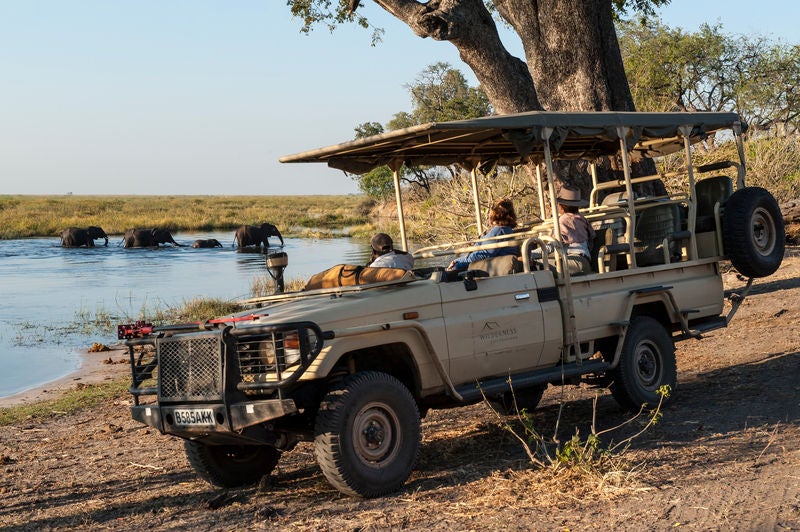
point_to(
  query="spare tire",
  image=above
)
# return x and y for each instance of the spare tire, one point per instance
(753, 233)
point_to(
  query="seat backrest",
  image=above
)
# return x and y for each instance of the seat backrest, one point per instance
(710, 191)
(495, 266)
(615, 198)
(653, 225)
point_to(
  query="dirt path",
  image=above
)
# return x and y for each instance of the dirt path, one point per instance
(725, 456)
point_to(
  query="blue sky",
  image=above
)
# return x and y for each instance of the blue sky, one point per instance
(203, 97)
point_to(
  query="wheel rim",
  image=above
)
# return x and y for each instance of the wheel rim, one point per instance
(376, 434)
(762, 231)
(648, 365)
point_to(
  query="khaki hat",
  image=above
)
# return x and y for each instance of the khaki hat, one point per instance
(571, 197)
(382, 243)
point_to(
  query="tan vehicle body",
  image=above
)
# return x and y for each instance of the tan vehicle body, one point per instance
(353, 361)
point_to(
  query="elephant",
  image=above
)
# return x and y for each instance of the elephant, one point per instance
(74, 237)
(251, 235)
(143, 238)
(206, 243)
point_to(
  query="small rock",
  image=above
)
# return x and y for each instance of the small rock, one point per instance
(98, 347)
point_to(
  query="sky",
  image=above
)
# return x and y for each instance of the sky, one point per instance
(204, 96)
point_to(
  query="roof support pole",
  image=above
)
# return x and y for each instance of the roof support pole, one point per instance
(742, 169)
(475, 199)
(551, 187)
(593, 195)
(542, 213)
(686, 131)
(622, 133)
(401, 221)
(571, 345)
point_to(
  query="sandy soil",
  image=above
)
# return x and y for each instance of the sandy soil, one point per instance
(725, 456)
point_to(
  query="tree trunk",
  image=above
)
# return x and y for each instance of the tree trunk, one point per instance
(571, 49)
(469, 26)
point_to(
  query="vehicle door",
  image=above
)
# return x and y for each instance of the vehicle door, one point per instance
(495, 326)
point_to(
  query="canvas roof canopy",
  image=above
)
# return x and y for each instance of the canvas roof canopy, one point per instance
(520, 138)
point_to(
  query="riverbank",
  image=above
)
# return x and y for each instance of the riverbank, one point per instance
(35, 216)
(96, 368)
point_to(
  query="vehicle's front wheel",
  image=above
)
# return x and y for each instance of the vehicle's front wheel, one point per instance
(647, 362)
(367, 434)
(753, 233)
(230, 466)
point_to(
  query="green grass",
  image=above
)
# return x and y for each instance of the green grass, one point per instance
(69, 403)
(30, 216)
(195, 310)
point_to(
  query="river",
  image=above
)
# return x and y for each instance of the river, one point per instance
(51, 295)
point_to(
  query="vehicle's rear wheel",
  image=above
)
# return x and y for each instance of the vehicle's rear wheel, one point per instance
(367, 434)
(230, 466)
(753, 233)
(509, 403)
(647, 362)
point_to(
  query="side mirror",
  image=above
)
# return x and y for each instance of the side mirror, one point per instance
(276, 264)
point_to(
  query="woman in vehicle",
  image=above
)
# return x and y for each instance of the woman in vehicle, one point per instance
(503, 219)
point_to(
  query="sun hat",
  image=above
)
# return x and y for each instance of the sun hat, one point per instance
(382, 243)
(568, 196)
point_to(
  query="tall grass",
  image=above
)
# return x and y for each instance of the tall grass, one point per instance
(28, 216)
(773, 163)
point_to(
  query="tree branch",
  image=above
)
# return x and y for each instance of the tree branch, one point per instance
(470, 27)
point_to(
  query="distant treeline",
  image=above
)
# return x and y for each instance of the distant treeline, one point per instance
(24, 216)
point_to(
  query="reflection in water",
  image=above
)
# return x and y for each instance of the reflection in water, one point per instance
(49, 292)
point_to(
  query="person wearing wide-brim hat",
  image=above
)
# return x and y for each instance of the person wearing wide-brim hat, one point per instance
(576, 231)
(571, 198)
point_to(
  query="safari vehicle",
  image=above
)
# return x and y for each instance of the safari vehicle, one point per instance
(356, 358)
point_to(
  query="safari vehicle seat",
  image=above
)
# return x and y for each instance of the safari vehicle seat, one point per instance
(496, 266)
(353, 274)
(655, 226)
(658, 228)
(710, 192)
(609, 241)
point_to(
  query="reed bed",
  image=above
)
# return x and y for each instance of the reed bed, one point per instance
(30, 216)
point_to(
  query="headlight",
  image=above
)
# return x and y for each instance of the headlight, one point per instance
(291, 348)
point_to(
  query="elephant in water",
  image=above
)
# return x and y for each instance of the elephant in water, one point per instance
(74, 237)
(251, 235)
(146, 238)
(206, 243)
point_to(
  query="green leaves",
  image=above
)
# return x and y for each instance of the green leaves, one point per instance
(440, 93)
(710, 70)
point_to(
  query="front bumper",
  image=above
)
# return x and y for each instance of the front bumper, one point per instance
(211, 418)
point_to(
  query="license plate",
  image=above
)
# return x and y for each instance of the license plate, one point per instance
(194, 417)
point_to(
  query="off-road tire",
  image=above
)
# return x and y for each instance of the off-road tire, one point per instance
(752, 232)
(367, 434)
(512, 402)
(647, 362)
(231, 466)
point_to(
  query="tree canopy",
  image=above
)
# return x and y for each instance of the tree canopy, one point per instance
(710, 70)
(439, 93)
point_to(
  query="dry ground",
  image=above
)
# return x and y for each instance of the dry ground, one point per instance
(725, 456)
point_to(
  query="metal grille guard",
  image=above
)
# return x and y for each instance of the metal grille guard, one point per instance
(145, 363)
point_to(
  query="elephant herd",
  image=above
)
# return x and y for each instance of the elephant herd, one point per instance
(245, 236)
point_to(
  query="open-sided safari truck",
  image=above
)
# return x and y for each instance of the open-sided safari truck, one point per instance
(354, 360)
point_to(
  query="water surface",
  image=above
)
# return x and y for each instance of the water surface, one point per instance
(49, 293)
